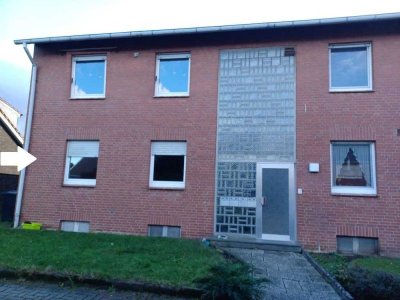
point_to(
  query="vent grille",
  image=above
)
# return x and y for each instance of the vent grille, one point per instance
(289, 52)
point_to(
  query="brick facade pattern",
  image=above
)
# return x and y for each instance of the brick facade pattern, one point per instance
(130, 118)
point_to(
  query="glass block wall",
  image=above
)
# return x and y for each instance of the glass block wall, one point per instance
(256, 123)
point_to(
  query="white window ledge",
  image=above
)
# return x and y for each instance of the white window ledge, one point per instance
(353, 191)
(170, 185)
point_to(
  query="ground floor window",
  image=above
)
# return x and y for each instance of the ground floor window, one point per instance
(353, 168)
(168, 165)
(81, 163)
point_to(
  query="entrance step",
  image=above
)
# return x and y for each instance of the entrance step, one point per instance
(253, 243)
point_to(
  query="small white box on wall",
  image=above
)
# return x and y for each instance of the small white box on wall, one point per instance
(313, 167)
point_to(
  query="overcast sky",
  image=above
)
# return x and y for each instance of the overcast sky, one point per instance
(44, 18)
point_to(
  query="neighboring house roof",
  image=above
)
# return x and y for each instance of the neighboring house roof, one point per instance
(11, 112)
(213, 29)
(9, 117)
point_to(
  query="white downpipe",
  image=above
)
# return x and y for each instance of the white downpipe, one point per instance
(27, 137)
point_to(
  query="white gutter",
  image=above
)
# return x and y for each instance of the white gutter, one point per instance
(28, 128)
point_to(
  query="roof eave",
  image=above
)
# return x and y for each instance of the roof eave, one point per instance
(212, 29)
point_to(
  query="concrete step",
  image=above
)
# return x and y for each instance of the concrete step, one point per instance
(253, 243)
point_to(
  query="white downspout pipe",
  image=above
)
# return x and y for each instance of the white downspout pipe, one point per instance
(27, 136)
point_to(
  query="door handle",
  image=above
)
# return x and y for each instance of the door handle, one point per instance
(263, 201)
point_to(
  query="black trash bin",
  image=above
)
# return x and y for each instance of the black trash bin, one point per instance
(7, 205)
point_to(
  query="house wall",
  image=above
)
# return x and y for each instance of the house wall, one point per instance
(364, 116)
(7, 144)
(125, 123)
(130, 117)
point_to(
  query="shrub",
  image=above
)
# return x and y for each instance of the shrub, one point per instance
(367, 284)
(231, 281)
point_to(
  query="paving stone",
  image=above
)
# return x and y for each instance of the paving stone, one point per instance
(291, 275)
(23, 290)
(292, 285)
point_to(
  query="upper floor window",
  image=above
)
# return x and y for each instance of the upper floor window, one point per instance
(81, 163)
(172, 75)
(353, 168)
(88, 77)
(350, 67)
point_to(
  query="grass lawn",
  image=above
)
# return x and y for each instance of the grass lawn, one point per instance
(365, 278)
(333, 263)
(389, 265)
(336, 264)
(174, 262)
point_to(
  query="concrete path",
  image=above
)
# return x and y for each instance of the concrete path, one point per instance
(291, 275)
(24, 290)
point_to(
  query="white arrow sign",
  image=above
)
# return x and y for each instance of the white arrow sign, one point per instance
(21, 159)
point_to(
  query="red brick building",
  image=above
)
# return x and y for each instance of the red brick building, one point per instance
(278, 131)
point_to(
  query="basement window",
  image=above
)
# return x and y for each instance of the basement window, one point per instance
(164, 231)
(88, 77)
(81, 163)
(168, 165)
(349, 245)
(75, 226)
(172, 75)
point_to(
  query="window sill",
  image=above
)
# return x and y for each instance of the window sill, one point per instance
(348, 194)
(171, 96)
(339, 91)
(78, 185)
(166, 188)
(87, 98)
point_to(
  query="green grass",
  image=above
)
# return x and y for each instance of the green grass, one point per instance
(389, 265)
(174, 262)
(333, 263)
(336, 264)
(370, 277)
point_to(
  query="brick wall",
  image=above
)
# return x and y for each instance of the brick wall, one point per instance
(364, 116)
(129, 118)
(125, 123)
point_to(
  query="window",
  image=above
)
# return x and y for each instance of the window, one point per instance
(81, 163)
(350, 245)
(164, 231)
(88, 77)
(350, 67)
(353, 168)
(168, 164)
(75, 226)
(172, 75)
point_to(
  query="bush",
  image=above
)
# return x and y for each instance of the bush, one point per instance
(231, 281)
(371, 285)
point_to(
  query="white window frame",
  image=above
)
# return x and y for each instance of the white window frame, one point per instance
(170, 151)
(355, 190)
(76, 181)
(76, 59)
(157, 92)
(369, 87)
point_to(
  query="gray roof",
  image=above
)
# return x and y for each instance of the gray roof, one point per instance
(212, 29)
